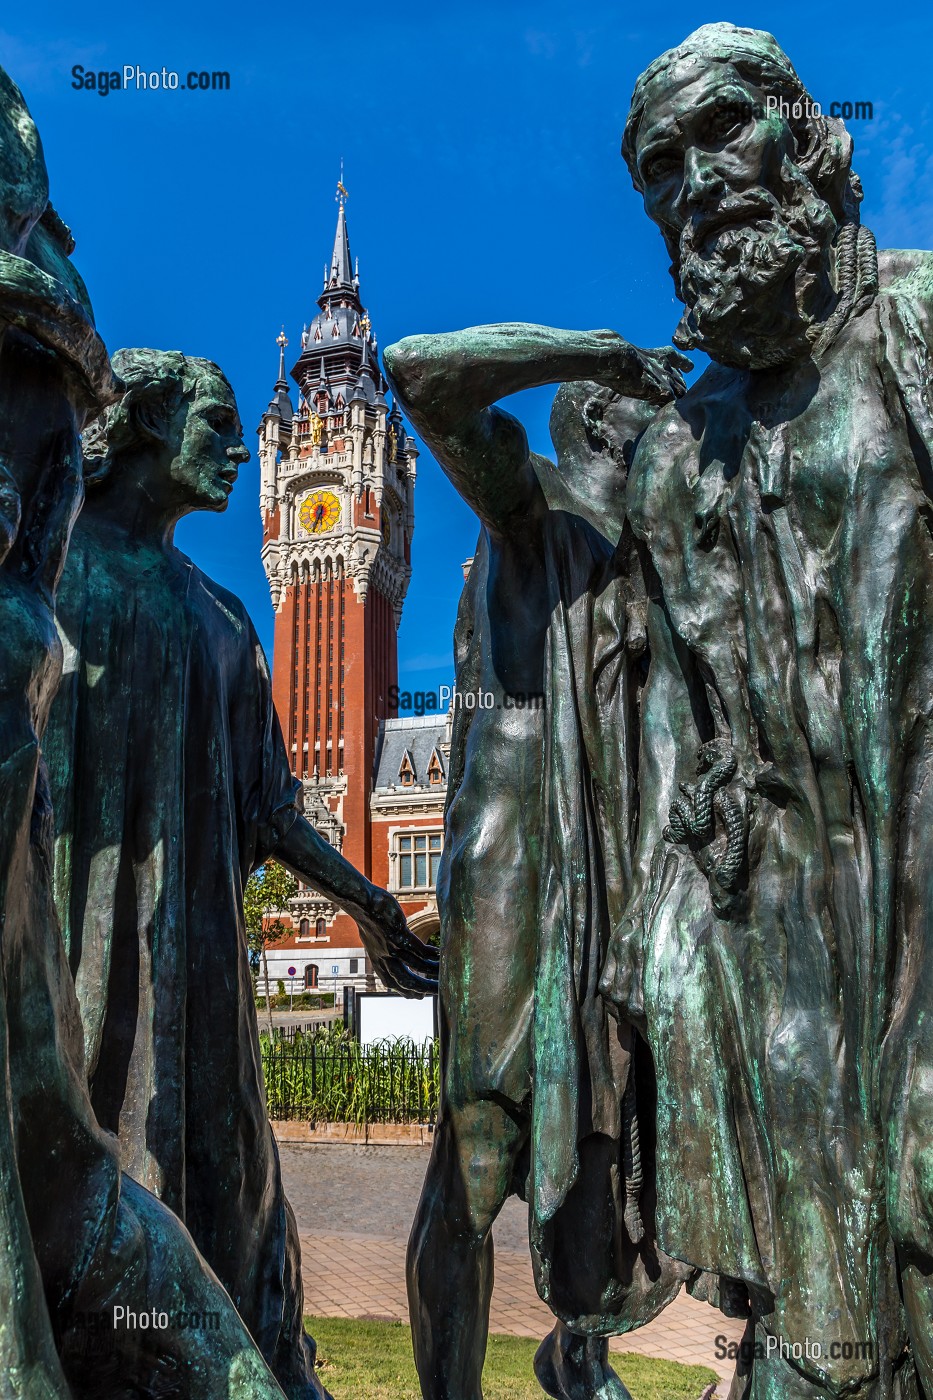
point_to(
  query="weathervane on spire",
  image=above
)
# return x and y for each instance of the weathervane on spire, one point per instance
(281, 341)
(342, 192)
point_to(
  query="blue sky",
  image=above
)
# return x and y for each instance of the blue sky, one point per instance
(481, 150)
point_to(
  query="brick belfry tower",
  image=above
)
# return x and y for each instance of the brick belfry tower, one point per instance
(337, 502)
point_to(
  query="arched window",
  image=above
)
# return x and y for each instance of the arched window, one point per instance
(320, 928)
(304, 928)
(311, 971)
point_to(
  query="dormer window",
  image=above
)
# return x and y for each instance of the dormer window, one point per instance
(435, 770)
(406, 771)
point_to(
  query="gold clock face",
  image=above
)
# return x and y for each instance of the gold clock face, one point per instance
(319, 512)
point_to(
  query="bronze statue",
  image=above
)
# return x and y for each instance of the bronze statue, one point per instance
(77, 1238)
(774, 949)
(537, 1087)
(170, 784)
(769, 797)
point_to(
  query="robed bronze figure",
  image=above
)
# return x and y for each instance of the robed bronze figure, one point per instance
(171, 783)
(77, 1237)
(761, 931)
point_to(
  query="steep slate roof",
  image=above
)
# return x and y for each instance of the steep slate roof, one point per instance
(420, 737)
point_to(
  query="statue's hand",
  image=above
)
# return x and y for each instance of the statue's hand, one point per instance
(655, 375)
(621, 980)
(403, 962)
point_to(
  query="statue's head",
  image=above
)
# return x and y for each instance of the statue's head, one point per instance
(752, 189)
(24, 181)
(175, 434)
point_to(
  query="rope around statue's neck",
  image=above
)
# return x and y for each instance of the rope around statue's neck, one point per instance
(856, 276)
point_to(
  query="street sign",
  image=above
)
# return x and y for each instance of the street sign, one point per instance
(292, 971)
(334, 969)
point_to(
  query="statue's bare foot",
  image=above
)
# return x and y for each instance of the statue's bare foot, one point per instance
(571, 1367)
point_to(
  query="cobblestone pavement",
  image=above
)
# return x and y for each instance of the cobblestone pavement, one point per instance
(354, 1207)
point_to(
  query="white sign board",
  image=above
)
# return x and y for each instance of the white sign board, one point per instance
(391, 1017)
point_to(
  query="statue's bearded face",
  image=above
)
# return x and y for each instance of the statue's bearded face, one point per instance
(749, 235)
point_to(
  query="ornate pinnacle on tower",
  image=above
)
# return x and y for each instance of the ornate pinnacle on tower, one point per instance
(281, 341)
(280, 405)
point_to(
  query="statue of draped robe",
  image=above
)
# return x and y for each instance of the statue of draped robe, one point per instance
(786, 524)
(591, 1095)
(77, 1237)
(171, 784)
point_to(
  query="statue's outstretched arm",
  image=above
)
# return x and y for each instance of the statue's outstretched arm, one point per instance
(403, 962)
(450, 383)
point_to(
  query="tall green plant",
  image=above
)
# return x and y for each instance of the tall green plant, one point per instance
(328, 1077)
(265, 898)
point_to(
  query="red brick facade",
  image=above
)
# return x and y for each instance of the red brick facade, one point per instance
(337, 501)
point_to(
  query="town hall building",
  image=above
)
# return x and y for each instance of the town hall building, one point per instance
(337, 500)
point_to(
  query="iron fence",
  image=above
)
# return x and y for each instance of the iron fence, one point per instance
(303, 1028)
(332, 1079)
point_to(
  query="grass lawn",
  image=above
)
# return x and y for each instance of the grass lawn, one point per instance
(372, 1361)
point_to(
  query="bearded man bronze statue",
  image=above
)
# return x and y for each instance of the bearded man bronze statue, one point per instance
(776, 947)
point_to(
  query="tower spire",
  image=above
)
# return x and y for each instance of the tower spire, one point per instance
(341, 266)
(340, 347)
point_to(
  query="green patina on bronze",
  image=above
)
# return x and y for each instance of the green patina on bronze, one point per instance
(537, 855)
(76, 1236)
(768, 802)
(783, 510)
(171, 783)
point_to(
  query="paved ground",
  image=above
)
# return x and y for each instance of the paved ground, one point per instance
(354, 1207)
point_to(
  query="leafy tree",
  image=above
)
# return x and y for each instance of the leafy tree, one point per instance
(266, 895)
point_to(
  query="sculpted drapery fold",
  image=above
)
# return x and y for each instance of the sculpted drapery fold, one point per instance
(793, 572)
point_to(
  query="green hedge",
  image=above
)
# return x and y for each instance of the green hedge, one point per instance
(326, 1077)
